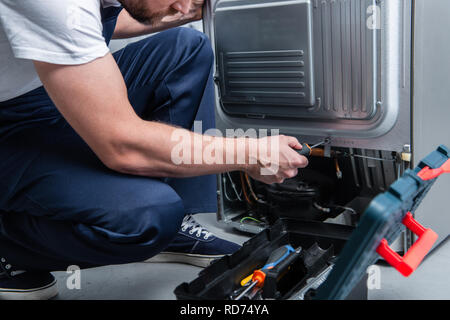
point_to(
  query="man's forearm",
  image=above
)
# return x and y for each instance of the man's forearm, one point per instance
(103, 116)
(159, 150)
(92, 97)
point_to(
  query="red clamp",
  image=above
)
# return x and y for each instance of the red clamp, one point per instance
(411, 260)
(428, 174)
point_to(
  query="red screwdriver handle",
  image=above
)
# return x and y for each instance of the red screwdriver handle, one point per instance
(259, 276)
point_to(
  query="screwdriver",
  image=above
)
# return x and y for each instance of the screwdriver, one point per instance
(307, 149)
(269, 266)
(259, 276)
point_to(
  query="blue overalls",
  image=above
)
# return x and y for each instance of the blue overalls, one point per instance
(61, 206)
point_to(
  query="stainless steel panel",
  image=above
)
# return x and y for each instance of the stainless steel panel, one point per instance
(264, 64)
(362, 77)
(345, 53)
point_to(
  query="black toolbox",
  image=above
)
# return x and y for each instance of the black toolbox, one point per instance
(334, 258)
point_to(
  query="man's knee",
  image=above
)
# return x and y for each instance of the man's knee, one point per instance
(198, 42)
(188, 42)
(142, 227)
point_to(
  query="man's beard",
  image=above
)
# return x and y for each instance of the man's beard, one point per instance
(139, 11)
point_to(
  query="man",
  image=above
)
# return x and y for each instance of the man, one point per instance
(86, 174)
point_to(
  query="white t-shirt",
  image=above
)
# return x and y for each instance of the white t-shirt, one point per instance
(65, 32)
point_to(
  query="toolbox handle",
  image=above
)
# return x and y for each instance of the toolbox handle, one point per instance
(407, 264)
(429, 174)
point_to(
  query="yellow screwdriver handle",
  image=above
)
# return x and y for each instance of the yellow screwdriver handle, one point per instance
(246, 280)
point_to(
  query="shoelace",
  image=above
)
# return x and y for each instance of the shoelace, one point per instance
(190, 223)
(13, 274)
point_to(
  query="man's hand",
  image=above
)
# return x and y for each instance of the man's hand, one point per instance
(195, 13)
(278, 162)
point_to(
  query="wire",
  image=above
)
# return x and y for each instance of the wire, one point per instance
(225, 190)
(367, 157)
(250, 187)
(328, 209)
(352, 211)
(250, 218)
(338, 169)
(320, 208)
(234, 187)
(244, 190)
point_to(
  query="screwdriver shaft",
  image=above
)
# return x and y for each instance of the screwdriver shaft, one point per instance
(326, 141)
(250, 287)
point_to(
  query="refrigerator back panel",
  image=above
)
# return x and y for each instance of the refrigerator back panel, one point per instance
(265, 64)
(315, 68)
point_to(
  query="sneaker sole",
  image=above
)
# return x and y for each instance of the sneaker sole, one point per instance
(42, 293)
(197, 260)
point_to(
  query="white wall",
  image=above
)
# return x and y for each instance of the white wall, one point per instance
(432, 103)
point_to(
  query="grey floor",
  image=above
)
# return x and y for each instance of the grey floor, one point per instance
(157, 281)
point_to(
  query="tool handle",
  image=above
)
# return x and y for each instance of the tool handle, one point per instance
(305, 151)
(275, 258)
(277, 275)
(246, 280)
(428, 174)
(278, 256)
